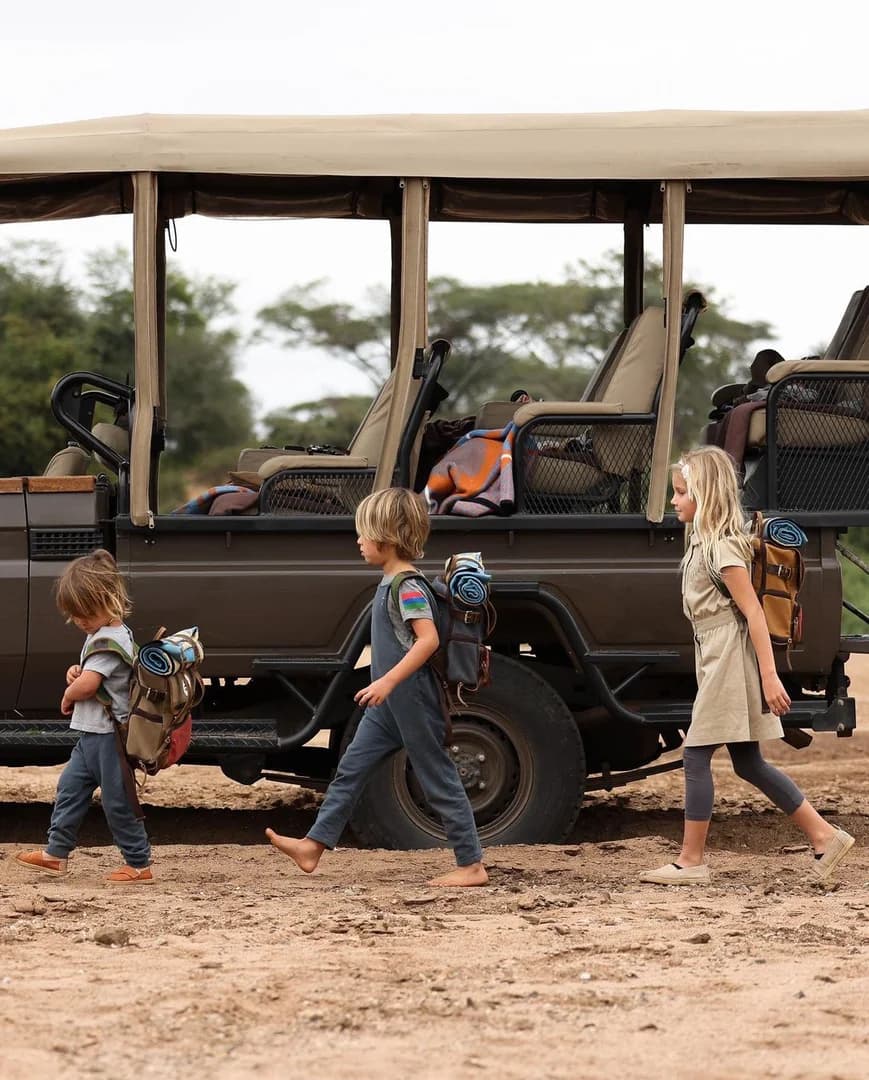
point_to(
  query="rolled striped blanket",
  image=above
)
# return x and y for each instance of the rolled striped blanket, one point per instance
(784, 532)
(467, 579)
(169, 655)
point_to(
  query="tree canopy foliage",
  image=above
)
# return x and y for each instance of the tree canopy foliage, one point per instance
(542, 336)
(48, 327)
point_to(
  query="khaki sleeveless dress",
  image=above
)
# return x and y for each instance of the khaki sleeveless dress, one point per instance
(729, 706)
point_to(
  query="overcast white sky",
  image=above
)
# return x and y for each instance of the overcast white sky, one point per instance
(61, 61)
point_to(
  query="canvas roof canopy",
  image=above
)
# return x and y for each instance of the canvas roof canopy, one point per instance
(742, 167)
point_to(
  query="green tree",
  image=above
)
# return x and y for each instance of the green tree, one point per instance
(331, 421)
(48, 327)
(40, 329)
(208, 407)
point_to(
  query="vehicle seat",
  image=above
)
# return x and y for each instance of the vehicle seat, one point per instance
(116, 438)
(836, 421)
(726, 398)
(851, 339)
(599, 456)
(324, 483)
(72, 460)
(497, 414)
(365, 444)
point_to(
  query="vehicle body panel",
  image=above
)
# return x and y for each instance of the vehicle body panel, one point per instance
(14, 589)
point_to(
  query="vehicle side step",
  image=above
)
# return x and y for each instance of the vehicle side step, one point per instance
(838, 716)
(208, 735)
(630, 656)
(299, 665)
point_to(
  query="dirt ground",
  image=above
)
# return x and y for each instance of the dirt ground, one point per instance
(236, 965)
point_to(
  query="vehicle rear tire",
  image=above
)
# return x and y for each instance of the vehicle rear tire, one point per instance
(520, 756)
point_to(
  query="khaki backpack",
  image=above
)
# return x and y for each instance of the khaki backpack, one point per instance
(777, 572)
(165, 687)
(777, 575)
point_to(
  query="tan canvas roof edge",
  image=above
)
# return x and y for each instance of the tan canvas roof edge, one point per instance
(680, 145)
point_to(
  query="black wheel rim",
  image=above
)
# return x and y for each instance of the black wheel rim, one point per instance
(495, 765)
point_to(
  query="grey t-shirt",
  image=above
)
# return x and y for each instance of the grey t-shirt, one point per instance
(91, 715)
(413, 603)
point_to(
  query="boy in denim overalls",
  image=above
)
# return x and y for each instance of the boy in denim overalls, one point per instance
(402, 704)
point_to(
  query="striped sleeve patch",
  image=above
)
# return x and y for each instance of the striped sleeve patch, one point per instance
(413, 602)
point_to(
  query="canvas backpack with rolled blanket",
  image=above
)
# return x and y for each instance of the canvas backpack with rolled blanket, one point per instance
(165, 687)
(465, 618)
(777, 572)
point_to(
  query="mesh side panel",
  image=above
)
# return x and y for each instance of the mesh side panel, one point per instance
(333, 492)
(585, 468)
(821, 428)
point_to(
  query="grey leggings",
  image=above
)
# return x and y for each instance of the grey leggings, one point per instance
(748, 764)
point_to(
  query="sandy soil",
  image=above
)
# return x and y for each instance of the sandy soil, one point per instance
(236, 965)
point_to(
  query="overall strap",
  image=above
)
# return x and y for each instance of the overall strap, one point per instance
(437, 662)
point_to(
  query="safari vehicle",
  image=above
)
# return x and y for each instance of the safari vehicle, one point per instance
(593, 659)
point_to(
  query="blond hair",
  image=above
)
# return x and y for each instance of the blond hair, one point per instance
(395, 516)
(711, 480)
(93, 585)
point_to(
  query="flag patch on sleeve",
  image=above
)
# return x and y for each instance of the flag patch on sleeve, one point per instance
(414, 603)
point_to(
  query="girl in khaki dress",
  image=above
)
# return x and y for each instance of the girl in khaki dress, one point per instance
(739, 694)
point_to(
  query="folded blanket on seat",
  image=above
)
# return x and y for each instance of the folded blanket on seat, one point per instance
(201, 504)
(475, 477)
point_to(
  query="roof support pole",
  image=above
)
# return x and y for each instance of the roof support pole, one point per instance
(674, 236)
(634, 263)
(160, 282)
(413, 328)
(145, 295)
(395, 238)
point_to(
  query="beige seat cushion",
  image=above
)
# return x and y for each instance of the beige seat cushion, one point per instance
(597, 384)
(495, 414)
(804, 427)
(116, 438)
(251, 457)
(311, 463)
(71, 461)
(561, 476)
(368, 440)
(640, 364)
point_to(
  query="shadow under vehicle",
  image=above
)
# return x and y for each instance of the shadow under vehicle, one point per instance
(593, 659)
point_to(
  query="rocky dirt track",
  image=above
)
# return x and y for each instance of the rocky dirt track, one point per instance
(236, 965)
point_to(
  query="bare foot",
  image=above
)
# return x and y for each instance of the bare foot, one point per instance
(463, 877)
(305, 853)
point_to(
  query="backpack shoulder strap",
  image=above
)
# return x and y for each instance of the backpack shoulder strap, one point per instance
(109, 645)
(411, 575)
